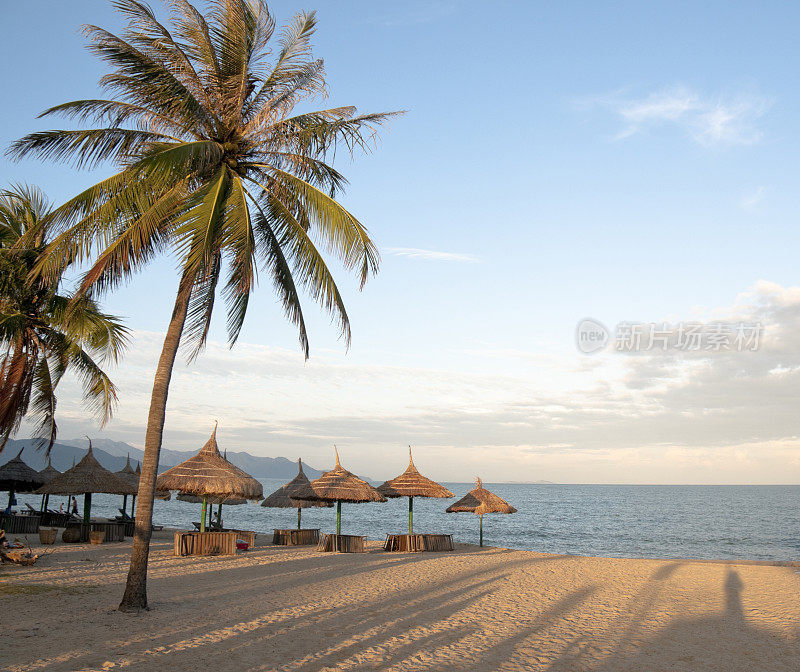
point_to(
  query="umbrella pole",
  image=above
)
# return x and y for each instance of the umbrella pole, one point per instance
(124, 503)
(87, 507)
(299, 513)
(41, 508)
(219, 514)
(203, 517)
(46, 502)
(411, 515)
(133, 506)
(10, 499)
(338, 517)
(481, 517)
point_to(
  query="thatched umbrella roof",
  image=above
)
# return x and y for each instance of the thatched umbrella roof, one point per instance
(128, 474)
(209, 474)
(194, 499)
(480, 501)
(413, 484)
(285, 497)
(18, 476)
(88, 476)
(342, 486)
(49, 472)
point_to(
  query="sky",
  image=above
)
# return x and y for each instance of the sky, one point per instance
(623, 162)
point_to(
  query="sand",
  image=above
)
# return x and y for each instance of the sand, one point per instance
(296, 610)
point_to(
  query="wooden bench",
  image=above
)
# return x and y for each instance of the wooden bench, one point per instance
(114, 531)
(205, 543)
(343, 543)
(413, 543)
(15, 524)
(295, 537)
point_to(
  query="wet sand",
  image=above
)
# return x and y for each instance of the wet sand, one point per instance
(297, 610)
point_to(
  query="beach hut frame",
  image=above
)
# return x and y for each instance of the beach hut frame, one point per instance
(480, 501)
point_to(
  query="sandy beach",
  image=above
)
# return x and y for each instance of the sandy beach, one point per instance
(297, 610)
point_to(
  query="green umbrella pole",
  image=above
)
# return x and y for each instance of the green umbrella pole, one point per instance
(87, 507)
(481, 517)
(203, 517)
(411, 515)
(338, 517)
(299, 513)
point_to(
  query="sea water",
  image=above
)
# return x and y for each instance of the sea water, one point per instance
(758, 522)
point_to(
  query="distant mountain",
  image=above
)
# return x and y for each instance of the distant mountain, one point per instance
(112, 455)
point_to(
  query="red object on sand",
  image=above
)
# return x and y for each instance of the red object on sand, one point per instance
(242, 545)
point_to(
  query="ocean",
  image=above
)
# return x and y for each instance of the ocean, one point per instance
(732, 522)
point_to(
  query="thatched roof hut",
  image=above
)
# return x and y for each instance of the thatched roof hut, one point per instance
(16, 476)
(412, 484)
(208, 474)
(285, 497)
(339, 485)
(49, 472)
(87, 476)
(480, 501)
(128, 474)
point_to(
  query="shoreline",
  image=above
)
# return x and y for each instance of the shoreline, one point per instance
(293, 609)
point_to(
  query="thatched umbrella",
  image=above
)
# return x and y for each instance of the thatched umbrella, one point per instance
(85, 478)
(412, 484)
(339, 485)
(285, 497)
(16, 476)
(128, 474)
(48, 474)
(208, 474)
(479, 501)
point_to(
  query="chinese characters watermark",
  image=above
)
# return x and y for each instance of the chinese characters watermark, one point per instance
(632, 337)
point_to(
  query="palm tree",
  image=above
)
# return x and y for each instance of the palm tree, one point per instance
(43, 333)
(218, 169)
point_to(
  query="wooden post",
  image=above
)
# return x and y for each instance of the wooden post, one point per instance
(338, 516)
(87, 507)
(481, 517)
(124, 503)
(41, 508)
(411, 515)
(10, 499)
(299, 513)
(219, 515)
(133, 506)
(203, 517)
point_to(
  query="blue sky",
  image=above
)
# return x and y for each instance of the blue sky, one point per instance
(624, 161)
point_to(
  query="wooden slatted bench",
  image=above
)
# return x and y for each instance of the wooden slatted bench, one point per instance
(205, 543)
(343, 543)
(16, 524)
(437, 542)
(114, 531)
(413, 543)
(295, 537)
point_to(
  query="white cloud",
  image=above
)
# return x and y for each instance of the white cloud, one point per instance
(431, 255)
(709, 121)
(658, 417)
(751, 200)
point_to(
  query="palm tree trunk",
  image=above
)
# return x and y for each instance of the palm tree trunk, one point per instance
(135, 597)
